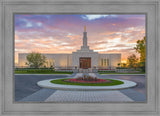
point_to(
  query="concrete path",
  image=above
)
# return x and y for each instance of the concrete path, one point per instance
(38, 96)
(88, 96)
(26, 90)
(50, 95)
(48, 84)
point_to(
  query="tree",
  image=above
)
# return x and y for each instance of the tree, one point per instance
(119, 64)
(141, 49)
(123, 65)
(35, 60)
(142, 66)
(132, 61)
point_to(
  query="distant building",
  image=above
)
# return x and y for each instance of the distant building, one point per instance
(85, 58)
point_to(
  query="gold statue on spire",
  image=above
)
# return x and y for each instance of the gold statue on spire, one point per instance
(84, 28)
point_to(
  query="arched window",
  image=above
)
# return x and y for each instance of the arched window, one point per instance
(101, 62)
(50, 62)
(107, 62)
(104, 62)
(47, 62)
(53, 62)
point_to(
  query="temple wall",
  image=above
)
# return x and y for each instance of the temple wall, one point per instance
(109, 60)
(72, 60)
(56, 60)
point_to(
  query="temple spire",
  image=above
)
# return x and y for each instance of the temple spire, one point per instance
(85, 37)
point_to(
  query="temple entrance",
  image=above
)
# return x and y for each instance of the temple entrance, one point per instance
(85, 62)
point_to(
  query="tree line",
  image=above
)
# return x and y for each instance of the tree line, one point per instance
(133, 61)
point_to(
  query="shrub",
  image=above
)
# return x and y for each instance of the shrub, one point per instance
(87, 78)
(121, 68)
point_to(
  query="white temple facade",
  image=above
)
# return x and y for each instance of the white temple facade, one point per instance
(85, 58)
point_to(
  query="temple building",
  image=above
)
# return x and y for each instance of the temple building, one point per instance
(85, 58)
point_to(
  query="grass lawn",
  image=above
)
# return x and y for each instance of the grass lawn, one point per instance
(32, 72)
(120, 73)
(112, 83)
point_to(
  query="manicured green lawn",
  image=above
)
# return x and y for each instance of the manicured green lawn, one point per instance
(112, 83)
(120, 73)
(56, 72)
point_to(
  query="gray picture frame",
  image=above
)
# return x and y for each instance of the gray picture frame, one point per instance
(7, 10)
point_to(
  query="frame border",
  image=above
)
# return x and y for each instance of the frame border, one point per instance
(5, 3)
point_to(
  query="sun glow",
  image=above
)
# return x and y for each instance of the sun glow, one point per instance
(123, 61)
(50, 34)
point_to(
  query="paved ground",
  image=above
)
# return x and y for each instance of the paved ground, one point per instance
(26, 90)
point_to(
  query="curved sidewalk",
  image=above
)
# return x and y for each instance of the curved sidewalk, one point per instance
(48, 84)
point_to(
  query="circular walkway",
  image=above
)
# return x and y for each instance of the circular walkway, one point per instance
(48, 84)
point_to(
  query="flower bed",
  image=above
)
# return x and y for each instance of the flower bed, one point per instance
(88, 81)
(65, 82)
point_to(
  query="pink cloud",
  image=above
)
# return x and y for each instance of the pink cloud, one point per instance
(65, 36)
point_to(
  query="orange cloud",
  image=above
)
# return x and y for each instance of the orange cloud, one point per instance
(64, 35)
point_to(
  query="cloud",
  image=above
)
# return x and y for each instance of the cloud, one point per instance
(93, 17)
(64, 33)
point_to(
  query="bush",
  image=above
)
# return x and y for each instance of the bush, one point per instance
(121, 68)
(35, 70)
(108, 71)
(40, 70)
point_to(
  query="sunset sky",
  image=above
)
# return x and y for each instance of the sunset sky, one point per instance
(61, 33)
